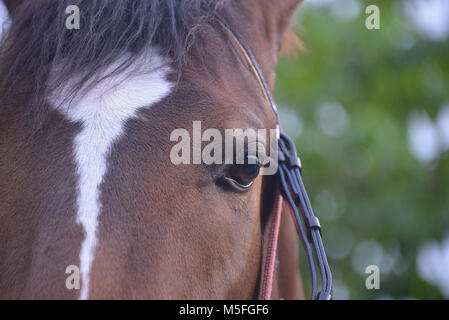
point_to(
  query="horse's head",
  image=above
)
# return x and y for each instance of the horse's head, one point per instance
(104, 148)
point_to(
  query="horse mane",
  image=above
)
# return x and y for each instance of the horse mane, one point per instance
(38, 41)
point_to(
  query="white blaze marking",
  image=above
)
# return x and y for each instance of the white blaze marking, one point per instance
(103, 112)
(4, 18)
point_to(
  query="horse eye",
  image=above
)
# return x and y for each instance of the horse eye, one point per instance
(242, 176)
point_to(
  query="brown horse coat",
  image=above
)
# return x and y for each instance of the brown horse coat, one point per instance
(138, 226)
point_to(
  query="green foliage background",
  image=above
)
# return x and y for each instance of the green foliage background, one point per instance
(365, 185)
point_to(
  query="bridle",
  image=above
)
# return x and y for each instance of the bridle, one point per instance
(292, 190)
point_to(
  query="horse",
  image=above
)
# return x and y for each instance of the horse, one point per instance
(86, 181)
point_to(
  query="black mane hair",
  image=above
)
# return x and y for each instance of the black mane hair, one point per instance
(38, 40)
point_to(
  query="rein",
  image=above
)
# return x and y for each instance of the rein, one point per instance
(291, 189)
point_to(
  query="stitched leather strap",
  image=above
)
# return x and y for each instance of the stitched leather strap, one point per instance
(270, 249)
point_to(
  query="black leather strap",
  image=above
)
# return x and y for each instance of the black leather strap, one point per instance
(293, 191)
